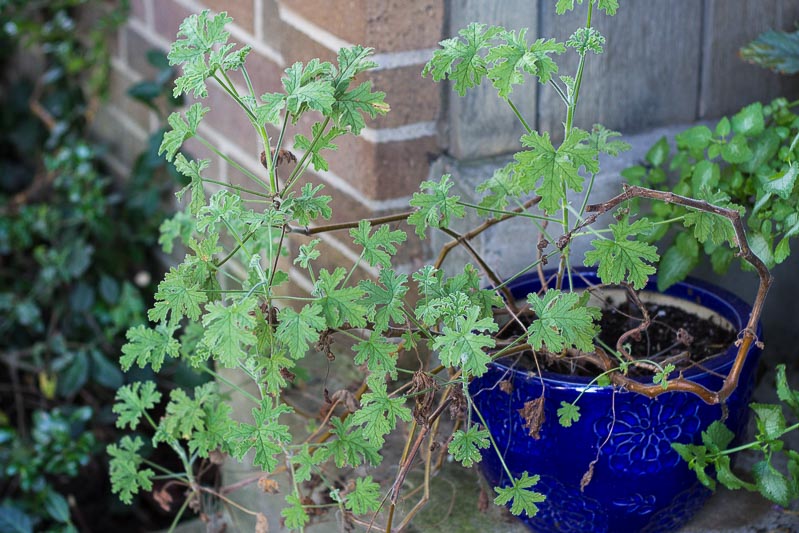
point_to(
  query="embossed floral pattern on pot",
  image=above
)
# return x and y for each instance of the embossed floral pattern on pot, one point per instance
(641, 436)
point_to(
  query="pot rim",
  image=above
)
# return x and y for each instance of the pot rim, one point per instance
(727, 304)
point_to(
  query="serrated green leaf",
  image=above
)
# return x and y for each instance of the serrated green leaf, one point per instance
(770, 420)
(265, 435)
(709, 226)
(350, 108)
(379, 355)
(229, 330)
(350, 447)
(305, 90)
(193, 171)
(520, 493)
(385, 303)
(513, 58)
(298, 331)
(324, 142)
(621, 259)
(562, 321)
(148, 346)
(586, 39)
(132, 401)
(294, 515)
(783, 181)
(503, 186)
(772, 484)
(178, 296)
(459, 346)
(378, 247)
(379, 413)
(736, 150)
(459, 59)
(784, 391)
(434, 209)
(364, 498)
(307, 206)
(182, 129)
(706, 175)
(340, 305)
(568, 414)
(126, 477)
(558, 169)
(465, 446)
(695, 139)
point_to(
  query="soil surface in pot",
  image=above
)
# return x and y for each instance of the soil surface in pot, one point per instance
(674, 336)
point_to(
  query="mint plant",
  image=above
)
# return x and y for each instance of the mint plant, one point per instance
(229, 304)
(748, 160)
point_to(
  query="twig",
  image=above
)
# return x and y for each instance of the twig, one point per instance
(748, 334)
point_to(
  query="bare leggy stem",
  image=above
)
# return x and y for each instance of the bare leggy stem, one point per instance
(748, 334)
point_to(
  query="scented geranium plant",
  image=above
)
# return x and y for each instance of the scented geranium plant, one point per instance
(419, 337)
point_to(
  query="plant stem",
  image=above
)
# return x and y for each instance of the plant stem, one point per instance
(519, 116)
(229, 160)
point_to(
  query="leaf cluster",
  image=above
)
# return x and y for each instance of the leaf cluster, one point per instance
(714, 453)
(747, 161)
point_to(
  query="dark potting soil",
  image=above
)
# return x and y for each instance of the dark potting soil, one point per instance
(673, 336)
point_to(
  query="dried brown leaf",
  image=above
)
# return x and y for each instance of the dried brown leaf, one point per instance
(506, 386)
(534, 416)
(268, 485)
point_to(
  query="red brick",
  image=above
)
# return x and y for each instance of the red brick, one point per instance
(119, 83)
(411, 97)
(230, 121)
(138, 9)
(384, 170)
(136, 56)
(242, 11)
(168, 17)
(264, 74)
(388, 26)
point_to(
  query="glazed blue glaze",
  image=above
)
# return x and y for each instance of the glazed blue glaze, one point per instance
(639, 482)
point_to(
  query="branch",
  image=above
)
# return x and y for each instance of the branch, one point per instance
(749, 337)
(347, 225)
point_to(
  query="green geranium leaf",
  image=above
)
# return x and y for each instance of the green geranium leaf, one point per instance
(378, 247)
(298, 331)
(520, 493)
(465, 446)
(621, 259)
(434, 209)
(460, 59)
(126, 476)
(512, 59)
(562, 321)
(379, 412)
(132, 401)
(229, 330)
(558, 169)
(148, 346)
(459, 346)
(568, 413)
(265, 435)
(365, 498)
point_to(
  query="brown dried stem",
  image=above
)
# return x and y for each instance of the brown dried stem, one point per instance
(748, 334)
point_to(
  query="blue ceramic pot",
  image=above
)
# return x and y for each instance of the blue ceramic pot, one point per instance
(639, 482)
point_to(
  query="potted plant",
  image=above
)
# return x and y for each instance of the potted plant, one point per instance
(229, 308)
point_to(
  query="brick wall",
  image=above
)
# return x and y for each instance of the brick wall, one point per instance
(376, 173)
(371, 175)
